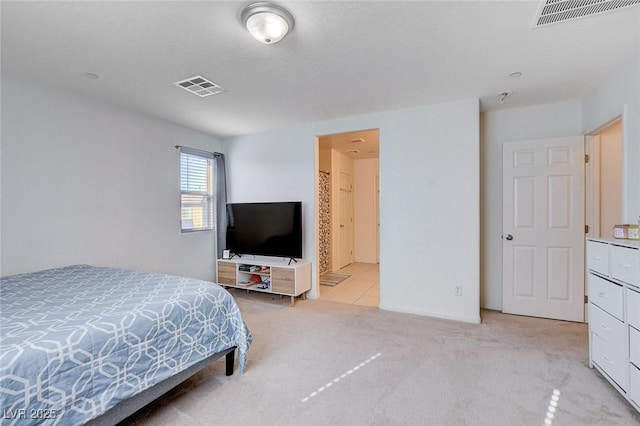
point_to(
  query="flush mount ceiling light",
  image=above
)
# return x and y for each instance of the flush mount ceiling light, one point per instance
(266, 22)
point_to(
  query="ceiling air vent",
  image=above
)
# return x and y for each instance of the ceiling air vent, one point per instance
(200, 86)
(554, 11)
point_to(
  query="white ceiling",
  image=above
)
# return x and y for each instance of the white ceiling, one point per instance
(342, 58)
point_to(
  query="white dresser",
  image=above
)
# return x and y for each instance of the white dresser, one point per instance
(614, 313)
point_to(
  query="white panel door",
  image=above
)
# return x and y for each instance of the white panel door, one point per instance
(543, 225)
(346, 219)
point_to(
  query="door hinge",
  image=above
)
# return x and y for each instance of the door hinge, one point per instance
(586, 229)
(586, 299)
(586, 158)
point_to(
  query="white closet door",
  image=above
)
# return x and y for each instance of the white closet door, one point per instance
(543, 228)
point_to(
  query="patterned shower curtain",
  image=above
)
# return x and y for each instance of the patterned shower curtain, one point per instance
(325, 221)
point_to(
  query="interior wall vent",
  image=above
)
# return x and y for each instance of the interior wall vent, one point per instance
(555, 11)
(200, 86)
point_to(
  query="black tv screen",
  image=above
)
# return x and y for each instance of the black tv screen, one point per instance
(266, 229)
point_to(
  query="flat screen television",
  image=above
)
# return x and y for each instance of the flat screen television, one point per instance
(266, 229)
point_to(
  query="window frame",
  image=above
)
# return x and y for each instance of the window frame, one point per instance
(209, 196)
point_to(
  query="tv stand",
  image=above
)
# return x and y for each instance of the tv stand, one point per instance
(274, 276)
(292, 259)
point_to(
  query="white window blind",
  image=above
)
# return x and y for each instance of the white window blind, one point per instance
(196, 191)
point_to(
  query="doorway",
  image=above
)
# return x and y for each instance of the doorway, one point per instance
(347, 219)
(604, 179)
(602, 209)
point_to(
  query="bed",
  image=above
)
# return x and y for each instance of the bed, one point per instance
(80, 343)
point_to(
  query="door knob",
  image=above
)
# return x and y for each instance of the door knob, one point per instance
(509, 237)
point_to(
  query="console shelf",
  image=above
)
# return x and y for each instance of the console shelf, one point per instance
(274, 276)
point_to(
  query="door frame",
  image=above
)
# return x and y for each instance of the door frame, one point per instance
(592, 188)
(376, 212)
(592, 177)
(316, 289)
(592, 174)
(592, 183)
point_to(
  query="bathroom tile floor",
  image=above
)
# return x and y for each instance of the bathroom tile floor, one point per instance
(361, 288)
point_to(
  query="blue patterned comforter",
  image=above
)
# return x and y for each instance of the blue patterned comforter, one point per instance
(75, 341)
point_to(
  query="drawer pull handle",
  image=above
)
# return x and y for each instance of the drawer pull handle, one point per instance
(608, 360)
(604, 327)
(624, 265)
(602, 295)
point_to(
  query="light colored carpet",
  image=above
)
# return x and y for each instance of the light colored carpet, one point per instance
(428, 372)
(332, 278)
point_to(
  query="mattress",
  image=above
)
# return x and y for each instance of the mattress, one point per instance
(77, 340)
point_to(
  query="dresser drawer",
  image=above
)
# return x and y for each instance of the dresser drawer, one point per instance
(625, 264)
(598, 257)
(634, 384)
(634, 346)
(609, 329)
(611, 361)
(607, 295)
(633, 308)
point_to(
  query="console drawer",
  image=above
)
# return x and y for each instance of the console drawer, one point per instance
(607, 295)
(612, 362)
(609, 329)
(283, 280)
(226, 273)
(598, 257)
(625, 264)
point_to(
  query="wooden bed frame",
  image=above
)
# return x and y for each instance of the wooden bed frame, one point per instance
(125, 408)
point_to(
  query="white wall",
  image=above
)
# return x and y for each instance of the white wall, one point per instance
(429, 202)
(619, 94)
(538, 122)
(84, 182)
(365, 247)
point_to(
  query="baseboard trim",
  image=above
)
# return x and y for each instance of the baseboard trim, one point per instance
(471, 320)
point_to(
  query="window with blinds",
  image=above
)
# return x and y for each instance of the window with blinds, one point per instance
(196, 192)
